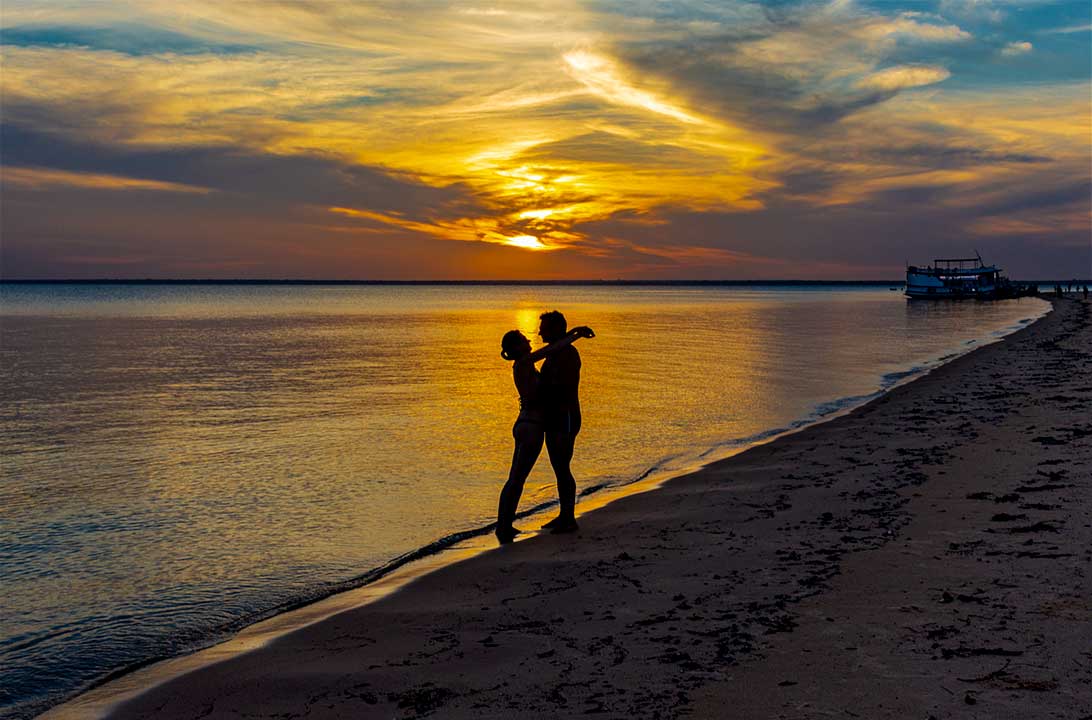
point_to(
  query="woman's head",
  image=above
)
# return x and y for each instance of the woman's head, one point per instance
(514, 345)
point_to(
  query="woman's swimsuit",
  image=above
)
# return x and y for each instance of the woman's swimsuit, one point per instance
(527, 379)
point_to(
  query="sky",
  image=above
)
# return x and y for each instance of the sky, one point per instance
(620, 139)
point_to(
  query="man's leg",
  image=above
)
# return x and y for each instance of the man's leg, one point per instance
(559, 445)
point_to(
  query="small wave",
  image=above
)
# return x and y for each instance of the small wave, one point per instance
(892, 379)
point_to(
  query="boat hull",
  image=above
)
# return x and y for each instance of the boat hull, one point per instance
(946, 294)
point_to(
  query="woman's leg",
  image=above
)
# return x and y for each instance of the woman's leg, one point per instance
(528, 437)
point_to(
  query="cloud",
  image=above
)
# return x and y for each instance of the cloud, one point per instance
(36, 159)
(907, 27)
(1068, 30)
(127, 38)
(900, 78)
(46, 179)
(1016, 48)
(491, 230)
(800, 66)
(599, 128)
(601, 77)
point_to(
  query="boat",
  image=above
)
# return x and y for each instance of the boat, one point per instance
(962, 278)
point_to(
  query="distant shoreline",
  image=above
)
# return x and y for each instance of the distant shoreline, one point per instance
(546, 283)
(494, 283)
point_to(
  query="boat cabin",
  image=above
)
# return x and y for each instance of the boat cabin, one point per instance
(953, 278)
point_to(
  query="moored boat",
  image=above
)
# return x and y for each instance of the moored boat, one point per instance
(959, 278)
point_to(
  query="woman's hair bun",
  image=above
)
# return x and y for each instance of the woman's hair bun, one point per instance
(509, 341)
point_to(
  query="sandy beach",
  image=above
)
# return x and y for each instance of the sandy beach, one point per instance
(926, 555)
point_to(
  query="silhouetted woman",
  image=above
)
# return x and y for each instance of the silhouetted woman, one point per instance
(530, 428)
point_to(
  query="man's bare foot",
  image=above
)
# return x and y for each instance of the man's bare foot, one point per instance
(567, 525)
(553, 523)
(505, 535)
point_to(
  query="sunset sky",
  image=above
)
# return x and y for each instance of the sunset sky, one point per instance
(618, 139)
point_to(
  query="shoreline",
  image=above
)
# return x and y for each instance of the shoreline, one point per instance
(98, 699)
(385, 581)
(925, 555)
(980, 603)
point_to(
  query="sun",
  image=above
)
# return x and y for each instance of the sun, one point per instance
(529, 242)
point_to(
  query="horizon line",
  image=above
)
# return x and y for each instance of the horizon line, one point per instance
(322, 281)
(788, 282)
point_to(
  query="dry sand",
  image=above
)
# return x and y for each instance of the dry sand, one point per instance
(927, 555)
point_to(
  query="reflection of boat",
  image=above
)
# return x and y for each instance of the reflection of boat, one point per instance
(961, 278)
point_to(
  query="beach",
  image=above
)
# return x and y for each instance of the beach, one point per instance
(215, 456)
(925, 555)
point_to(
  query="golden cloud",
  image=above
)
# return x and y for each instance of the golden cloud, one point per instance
(47, 179)
(906, 76)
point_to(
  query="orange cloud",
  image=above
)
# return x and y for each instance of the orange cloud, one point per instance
(46, 179)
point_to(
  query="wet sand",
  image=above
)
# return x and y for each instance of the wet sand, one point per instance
(927, 555)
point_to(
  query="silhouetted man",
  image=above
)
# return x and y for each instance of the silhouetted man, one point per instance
(559, 387)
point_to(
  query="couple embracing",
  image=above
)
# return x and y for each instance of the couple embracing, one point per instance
(549, 412)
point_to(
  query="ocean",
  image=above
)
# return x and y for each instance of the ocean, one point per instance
(179, 461)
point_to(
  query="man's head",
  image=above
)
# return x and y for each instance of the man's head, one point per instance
(552, 326)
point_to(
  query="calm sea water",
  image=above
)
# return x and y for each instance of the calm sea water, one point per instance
(179, 461)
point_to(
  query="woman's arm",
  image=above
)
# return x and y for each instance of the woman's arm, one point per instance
(572, 336)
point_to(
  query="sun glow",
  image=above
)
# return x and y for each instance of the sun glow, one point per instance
(529, 242)
(536, 214)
